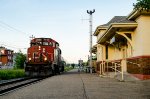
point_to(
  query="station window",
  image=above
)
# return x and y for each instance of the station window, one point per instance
(9, 57)
(2, 51)
(106, 51)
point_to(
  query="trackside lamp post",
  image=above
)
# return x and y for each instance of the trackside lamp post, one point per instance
(90, 31)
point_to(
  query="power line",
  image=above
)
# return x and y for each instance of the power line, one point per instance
(5, 24)
(6, 27)
(10, 28)
(15, 47)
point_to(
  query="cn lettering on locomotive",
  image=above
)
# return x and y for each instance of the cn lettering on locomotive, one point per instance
(43, 58)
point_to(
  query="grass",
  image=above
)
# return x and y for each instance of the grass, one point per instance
(11, 74)
(6, 74)
(68, 68)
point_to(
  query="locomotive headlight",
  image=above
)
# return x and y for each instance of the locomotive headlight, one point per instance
(29, 59)
(39, 48)
(45, 59)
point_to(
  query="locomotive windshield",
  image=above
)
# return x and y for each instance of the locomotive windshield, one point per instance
(42, 42)
(45, 43)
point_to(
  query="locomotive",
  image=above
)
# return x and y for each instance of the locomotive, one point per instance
(43, 58)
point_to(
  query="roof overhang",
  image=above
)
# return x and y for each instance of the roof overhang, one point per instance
(136, 13)
(98, 29)
(115, 27)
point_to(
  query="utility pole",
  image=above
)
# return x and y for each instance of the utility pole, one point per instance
(90, 30)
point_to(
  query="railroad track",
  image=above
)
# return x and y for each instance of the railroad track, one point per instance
(10, 86)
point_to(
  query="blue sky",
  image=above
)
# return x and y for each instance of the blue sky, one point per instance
(57, 19)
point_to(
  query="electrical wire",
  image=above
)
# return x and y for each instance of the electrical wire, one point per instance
(11, 46)
(12, 28)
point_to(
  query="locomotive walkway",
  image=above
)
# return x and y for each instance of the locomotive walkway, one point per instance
(74, 85)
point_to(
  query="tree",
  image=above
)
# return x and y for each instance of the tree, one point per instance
(142, 5)
(73, 65)
(20, 59)
(85, 63)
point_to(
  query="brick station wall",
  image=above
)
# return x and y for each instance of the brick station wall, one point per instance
(144, 67)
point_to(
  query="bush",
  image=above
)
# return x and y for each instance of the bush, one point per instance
(68, 68)
(19, 60)
(11, 74)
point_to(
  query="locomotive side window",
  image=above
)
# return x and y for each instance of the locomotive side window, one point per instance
(53, 44)
(50, 44)
(57, 45)
(60, 51)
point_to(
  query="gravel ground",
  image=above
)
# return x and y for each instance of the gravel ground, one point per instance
(74, 85)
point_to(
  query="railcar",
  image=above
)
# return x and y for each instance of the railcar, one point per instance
(43, 58)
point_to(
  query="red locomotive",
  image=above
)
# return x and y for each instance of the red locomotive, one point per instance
(43, 58)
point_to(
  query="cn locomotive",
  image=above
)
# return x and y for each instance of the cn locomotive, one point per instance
(43, 58)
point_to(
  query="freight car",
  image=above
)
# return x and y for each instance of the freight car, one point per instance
(43, 58)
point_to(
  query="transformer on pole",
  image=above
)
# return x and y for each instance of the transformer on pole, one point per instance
(90, 31)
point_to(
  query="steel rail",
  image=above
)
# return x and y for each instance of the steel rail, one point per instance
(16, 86)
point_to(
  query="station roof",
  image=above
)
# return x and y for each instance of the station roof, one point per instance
(118, 19)
(114, 20)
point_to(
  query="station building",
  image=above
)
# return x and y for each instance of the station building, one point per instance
(123, 45)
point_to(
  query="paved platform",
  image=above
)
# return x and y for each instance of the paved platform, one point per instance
(75, 85)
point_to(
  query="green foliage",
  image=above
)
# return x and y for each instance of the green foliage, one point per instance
(142, 5)
(73, 65)
(68, 68)
(11, 74)
(19, 61)
(64, 63)
(85, 63)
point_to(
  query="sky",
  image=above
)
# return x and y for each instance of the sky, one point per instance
(65, 21)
